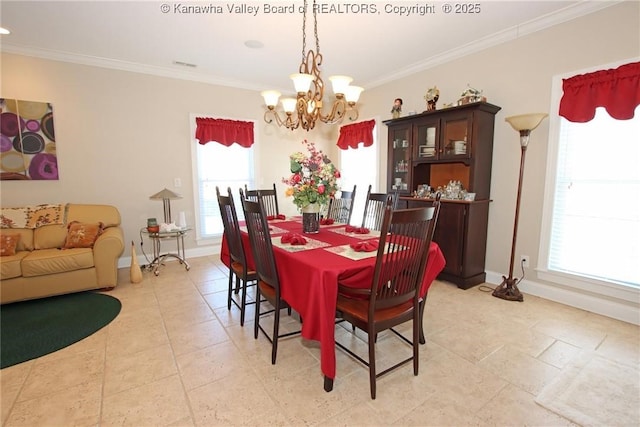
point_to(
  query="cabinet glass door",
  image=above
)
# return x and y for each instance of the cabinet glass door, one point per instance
(456, 137)
(400, 150)
(426, 141)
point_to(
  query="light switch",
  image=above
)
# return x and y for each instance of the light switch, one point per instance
(177, 182)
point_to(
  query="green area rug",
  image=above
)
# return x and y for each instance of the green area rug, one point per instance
(31, 329)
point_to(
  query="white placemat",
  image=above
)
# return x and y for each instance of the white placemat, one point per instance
(311, 244)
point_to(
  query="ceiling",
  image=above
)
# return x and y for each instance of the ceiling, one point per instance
(371, 41)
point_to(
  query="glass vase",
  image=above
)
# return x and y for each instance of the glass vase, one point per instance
(311, 218)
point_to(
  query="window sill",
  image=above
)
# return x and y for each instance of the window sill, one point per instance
(607, 290)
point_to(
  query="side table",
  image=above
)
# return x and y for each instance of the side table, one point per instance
(159, 257)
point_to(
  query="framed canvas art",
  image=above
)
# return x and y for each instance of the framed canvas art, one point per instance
(27, 141)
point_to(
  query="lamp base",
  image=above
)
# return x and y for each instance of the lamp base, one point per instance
(508, 290)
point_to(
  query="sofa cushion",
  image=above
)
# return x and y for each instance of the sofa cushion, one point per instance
(26, 237)
(108, 215)
(8, 244)
(51, 261)
(49, 236)
(10, 266)
(82, 235)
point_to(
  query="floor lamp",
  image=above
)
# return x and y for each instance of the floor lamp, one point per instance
(524, 124)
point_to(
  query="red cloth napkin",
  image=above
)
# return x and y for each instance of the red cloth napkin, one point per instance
(369, 246)
(279, 216)
(327, 221)
(357, 230)
(293, 239)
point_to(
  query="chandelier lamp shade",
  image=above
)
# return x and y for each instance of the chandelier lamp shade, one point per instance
(523, 124)
(307, 108)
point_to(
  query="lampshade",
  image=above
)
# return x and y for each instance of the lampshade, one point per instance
(166, 195)
(270, 97)
(340, 84)
(353, 93)
(302, 82)
(289, 105)
(526, 121)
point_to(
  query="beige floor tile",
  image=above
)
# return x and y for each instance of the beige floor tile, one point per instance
(519, 369)
(48, 377)
(559, 354)
(162, 402)
(211, 364)
(514, 406)
(74, 405)
(124, 372)
(440, 410)
(231, 401)
(185, 339)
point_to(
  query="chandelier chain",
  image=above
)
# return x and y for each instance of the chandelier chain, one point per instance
(315, 27)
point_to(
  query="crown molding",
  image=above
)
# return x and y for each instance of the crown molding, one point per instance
(567, 14)
(564, 15)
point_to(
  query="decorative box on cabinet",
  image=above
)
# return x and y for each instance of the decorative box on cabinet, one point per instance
(443, 145)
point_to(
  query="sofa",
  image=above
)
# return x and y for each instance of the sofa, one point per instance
(57, 249)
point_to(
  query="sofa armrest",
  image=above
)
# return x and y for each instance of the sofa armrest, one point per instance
(106, 251)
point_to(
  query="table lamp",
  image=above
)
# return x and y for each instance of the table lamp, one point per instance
(166, 195)
(524, 124)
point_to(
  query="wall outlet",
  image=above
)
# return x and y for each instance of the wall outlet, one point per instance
(524, 261)
(177, 182)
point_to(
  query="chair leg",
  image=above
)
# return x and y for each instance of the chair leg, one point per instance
(422, 338)
(243, 302)
(372, 364)
(230, 287)
(256, 321)
(274, 338)
(237, 290)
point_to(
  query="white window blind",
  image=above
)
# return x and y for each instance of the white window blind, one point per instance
(595, 226)
(223, 167)
(356, 169)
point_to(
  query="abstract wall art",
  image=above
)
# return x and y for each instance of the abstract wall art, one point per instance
(27, 141)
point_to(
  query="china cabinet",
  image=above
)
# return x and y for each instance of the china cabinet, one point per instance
(434, 148)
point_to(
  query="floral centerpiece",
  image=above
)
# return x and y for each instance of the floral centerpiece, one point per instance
(314, 178)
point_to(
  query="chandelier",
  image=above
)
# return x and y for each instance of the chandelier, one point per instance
(306, 109)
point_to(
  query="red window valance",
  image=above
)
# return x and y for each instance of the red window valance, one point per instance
(226, 132)
(352, 135)
(616, 89)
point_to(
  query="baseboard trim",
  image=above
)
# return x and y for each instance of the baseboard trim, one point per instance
(614, 308)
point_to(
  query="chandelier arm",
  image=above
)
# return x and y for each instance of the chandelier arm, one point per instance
(288, 122)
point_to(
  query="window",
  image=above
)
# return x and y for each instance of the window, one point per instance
(357, 168)
(591, 225)
(221, 166)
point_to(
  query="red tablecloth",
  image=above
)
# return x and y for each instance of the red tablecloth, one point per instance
(309, 276)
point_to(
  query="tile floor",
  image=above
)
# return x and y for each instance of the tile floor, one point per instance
(175, 356)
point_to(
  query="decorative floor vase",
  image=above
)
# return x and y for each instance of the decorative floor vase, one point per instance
(135, 273)
(311, 218)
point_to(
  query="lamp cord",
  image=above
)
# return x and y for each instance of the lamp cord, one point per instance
(485, 288)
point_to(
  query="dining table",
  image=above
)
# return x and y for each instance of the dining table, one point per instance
(310, 268)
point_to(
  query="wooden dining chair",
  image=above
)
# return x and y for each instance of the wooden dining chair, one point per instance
(269, 199)
(340, 209)
(268, 279)
(374, 208)
(238, 268)
(432, 230)
(393, 297)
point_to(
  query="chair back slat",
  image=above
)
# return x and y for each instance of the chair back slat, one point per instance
(374, 209)
(260, 239)
(231, 226)
(340, 209)
(269, 199)
(402, 255)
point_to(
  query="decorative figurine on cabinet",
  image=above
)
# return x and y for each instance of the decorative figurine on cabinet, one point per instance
(397, 108)
(432, 97)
